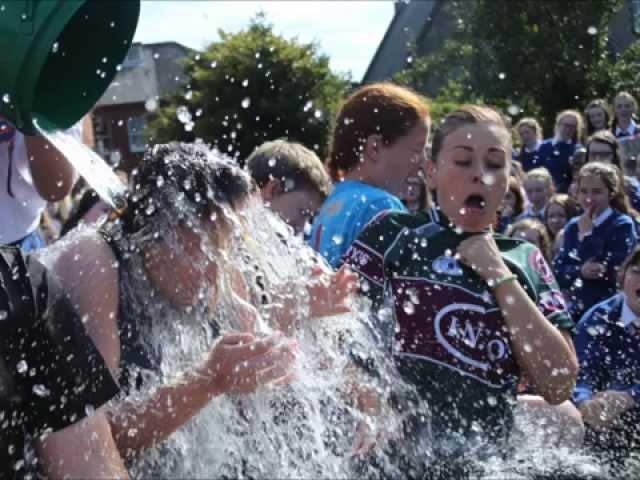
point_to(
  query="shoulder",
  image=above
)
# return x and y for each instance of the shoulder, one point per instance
(601, 313)
(620, 218)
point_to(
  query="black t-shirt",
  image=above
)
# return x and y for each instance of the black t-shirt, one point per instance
(51, 374)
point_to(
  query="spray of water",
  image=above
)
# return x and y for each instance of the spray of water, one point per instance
(88, 164)
(304, 429)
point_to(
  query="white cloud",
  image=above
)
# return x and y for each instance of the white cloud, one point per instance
(348, 31)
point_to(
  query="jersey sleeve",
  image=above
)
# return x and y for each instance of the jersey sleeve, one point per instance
(547, 294)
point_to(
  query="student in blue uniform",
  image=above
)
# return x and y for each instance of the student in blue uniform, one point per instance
(603, 146)
(530, 133)
(625, 108)
(608, 388)
(597, 116)
(538, 185)
(465, 306)
(555, 153)
(596, 243)
(377, 150)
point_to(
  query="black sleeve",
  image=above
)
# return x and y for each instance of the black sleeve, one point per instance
(62, 376)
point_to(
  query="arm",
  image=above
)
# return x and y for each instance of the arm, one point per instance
(85, 449)
(237, 364)
(539, 348)
(53, 176)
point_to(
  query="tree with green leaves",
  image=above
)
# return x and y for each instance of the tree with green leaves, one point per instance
(250, 87)
(530, 56)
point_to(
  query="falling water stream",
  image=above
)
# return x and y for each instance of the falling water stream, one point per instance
(301, 430)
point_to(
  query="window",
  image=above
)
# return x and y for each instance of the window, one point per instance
(135, 131)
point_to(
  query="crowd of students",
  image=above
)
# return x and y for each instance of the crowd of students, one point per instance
(512, 276)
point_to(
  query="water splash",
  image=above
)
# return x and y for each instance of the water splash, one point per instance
(89, 165)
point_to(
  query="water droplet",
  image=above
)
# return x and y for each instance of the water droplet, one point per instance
(199, 112)
(448, 253)
(510, 300)
(40, 390)
(592, 30)
(492, 401)
(150, 209)
(89, 409)
(463, 211)
(22, 366)
(307, 229)
(488, 179)
(120, 123)
(3, 314)
(317, 114)
(55, 47)
(337, 239)
(528, 348)
(183, 114)
(6, 98)
(409, 308)
(272, 162)
(307, 106)
(246, 103)
(513, 110)
(188, 95)
(214, 64)
(502, 75)
(151, 105)
(245, 82)
(423, 242)
(105, 59)
(188, 127)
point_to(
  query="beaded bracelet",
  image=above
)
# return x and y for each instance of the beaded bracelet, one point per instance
(507, 278)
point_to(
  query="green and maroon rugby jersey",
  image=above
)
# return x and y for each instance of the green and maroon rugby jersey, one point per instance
(447, 334)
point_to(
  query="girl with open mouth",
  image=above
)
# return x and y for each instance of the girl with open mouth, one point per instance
(471, 312)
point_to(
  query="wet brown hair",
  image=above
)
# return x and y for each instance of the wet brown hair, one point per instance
(384, 109)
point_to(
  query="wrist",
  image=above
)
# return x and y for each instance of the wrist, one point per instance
(500, 279)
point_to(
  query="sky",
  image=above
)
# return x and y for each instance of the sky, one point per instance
(349, 32)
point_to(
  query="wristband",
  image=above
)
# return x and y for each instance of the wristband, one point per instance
(507, 278)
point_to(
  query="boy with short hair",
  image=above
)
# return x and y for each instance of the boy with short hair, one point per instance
(292, 180)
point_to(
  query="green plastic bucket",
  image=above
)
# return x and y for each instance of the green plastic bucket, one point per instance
(59, 56)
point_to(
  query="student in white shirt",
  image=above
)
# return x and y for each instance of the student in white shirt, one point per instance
(32, 173)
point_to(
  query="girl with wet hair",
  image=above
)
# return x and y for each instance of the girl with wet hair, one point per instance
(596, 243)
(160, 273)
(461, 308)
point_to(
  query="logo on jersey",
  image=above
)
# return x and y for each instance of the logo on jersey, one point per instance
(551, 302)
(447, 265)
(452, 327)
(540, 266)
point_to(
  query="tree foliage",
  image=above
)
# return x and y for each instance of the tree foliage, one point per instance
(250, 87)
(536, 57)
